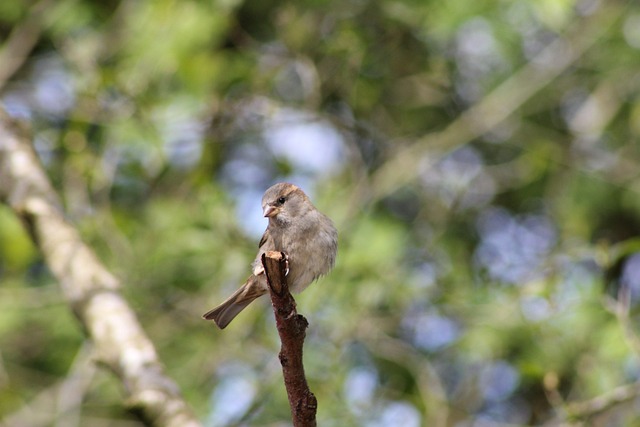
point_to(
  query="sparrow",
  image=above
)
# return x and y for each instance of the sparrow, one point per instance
(302, 232)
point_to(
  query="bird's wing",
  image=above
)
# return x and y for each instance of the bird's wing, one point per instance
(264, 238)
(266, 244)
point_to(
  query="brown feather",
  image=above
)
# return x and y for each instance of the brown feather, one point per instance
(232, 306)
(297, 228)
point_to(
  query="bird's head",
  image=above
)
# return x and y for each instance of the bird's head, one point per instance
(283, 202)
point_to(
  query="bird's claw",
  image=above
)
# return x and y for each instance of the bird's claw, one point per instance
(286, 264)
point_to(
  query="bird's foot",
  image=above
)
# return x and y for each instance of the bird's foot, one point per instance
(286, 263)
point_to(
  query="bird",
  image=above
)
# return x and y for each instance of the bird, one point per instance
(306, 236)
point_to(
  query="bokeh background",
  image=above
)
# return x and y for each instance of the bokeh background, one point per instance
(480, 160)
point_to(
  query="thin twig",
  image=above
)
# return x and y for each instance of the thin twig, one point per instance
(291, 328)
(603, 402)
(21, 41)
(498, 106)
(74, 388)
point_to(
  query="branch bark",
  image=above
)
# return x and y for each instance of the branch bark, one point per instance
(291, 328)
(90, 289)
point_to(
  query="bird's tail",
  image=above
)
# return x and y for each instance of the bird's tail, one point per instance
(229, 309)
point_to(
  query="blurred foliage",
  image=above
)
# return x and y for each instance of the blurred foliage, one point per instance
(499, 281)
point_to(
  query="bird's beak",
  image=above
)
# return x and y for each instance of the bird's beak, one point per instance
(269, 211)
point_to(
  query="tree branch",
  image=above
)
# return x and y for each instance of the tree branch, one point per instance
(497, 106)
(23, 38)
(90, 289)
(291, 328)
(604, 402)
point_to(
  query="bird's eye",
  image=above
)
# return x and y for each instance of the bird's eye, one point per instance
(281, 200)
